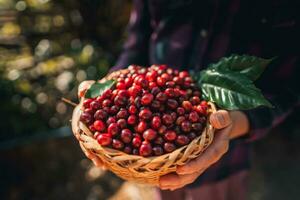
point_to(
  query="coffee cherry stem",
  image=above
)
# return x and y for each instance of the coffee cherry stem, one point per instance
(69, 102)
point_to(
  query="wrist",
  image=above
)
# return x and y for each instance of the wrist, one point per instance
(240, 124)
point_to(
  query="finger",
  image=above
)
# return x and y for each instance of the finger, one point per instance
(211, 155)
(220, 119)
(96, 160)
(74, 121)
(98, 163)
(195, 176)
(83, 87)
(174, 181)
(86, 152)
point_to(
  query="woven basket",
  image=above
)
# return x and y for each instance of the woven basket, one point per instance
(138, 168)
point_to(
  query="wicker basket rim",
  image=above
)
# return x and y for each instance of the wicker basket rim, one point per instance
(211, 109)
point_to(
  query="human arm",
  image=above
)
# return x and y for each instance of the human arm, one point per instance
(229, 125)
(135, 49)
(283, 95)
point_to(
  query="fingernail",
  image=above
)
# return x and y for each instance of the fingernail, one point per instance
(180, 172)
(166, 187)
(221, 119)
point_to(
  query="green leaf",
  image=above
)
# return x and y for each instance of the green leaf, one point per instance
(230, 90)
(97, 88)
(250, 66)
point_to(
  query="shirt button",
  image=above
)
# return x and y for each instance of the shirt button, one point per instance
(263, 20)
(203, 33)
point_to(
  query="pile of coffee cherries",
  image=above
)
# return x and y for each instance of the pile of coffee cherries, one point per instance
(148, 112)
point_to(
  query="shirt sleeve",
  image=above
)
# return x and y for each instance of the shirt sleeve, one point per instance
(135, 49)
(285, 100)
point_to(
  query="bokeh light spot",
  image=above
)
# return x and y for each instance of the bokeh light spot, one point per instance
(21, 5)
(41, 98)
(61, 108)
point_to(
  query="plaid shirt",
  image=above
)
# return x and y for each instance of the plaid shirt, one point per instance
(190, 34)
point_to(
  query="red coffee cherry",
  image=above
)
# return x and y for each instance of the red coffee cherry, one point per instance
(104, 139)
(155, 91)
(145, 149)
(99, 125)
(132, 109)
(162, 130)
(169, 147)
(120, 85)
(156, 122)
(92, 128)
(95, 105)
(106, 103)
(158, 150)
(167, 119)
(172, 103)
(110, 120)
(136, 142)
(180, 111)
(86, 117)
(182, 140)
(186, 126)
(147, 99)
(132, 119)
(179, 120)
(170, 92)
(183, 74)
(193, 116)
(162, 97)
(122, 114)
(126, 135)
(127, 149)
(100, 114)
(117, 144)
(160, 81)
(142, 126)
(122, 123)
(170, 135)
(151, 76)
(187, 105)
(114, 109)
(148, 112)
(149, 134)
(113, 129)
(87, 102)
(145, 114)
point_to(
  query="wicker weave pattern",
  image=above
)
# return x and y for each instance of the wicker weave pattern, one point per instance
(138, 168)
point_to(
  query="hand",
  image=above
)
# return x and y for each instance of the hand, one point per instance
(228, 125)
(82, 88)
(86, 84)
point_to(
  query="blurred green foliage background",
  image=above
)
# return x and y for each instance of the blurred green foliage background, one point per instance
(47, 48)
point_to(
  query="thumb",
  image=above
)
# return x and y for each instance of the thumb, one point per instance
(220, 119)
(83, 87)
